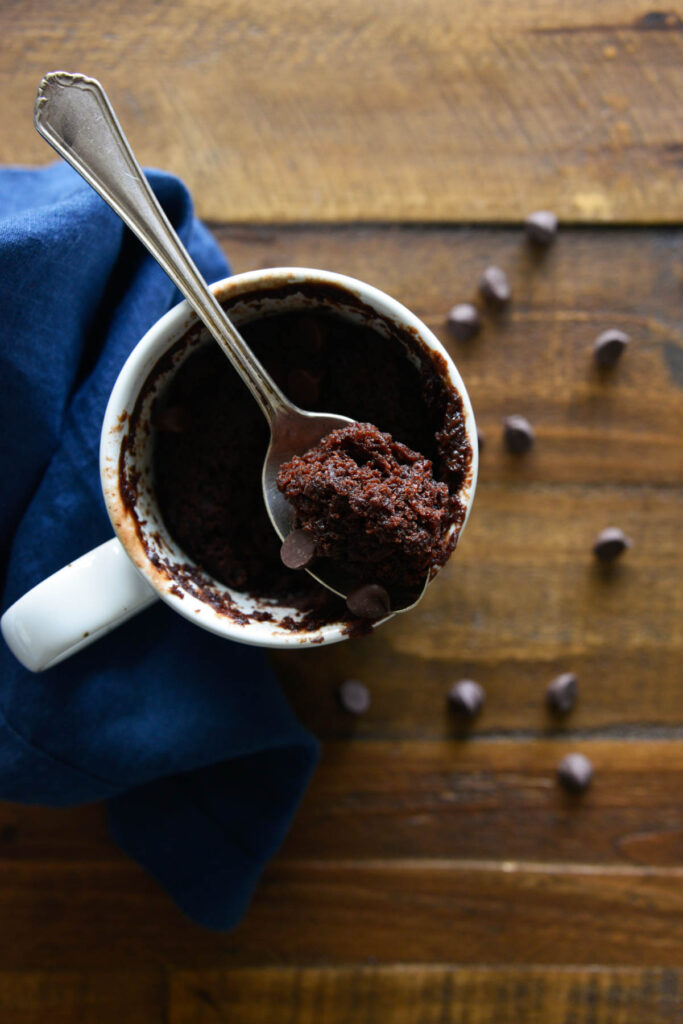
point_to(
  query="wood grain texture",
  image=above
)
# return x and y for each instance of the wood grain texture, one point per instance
(111, 916)
(419, 110)
(419, 848)
(522, 598)
(437, 994)
(467, 799)
(91, 997)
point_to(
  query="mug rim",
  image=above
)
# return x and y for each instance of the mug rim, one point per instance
(168, 329)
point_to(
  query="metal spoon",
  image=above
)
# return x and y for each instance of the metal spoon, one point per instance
(73, 113)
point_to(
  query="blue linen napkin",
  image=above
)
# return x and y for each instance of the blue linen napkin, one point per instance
(187, 735)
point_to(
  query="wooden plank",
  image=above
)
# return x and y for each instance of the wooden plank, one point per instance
(111, 917)
(521, 601)
(409, 994)
(429, 112)
(492, 801)
(431, 911)
(89, 997)
(472, 800)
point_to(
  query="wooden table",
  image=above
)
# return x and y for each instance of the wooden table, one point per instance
(432, 875)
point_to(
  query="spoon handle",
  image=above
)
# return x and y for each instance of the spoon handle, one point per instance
(74, 115)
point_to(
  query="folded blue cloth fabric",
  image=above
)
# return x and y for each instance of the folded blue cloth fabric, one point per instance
(187, 735)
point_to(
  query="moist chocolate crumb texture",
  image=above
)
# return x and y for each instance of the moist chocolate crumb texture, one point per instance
(209, 452)
(371, 505)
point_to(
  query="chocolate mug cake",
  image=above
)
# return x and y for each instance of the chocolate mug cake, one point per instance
(210, 439)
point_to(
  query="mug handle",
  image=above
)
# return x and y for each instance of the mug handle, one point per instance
(75, 606)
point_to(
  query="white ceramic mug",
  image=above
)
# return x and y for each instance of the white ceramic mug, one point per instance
(99, 591)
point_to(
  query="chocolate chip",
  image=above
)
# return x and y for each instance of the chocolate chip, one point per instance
(575, 772)
(494, 286)
(608, 347)
(463, 321)
(466, 697)
(370, 601)
(174, 419)
(298, 549)
(518, 434)
(480, 440)
(541, 227)
(562, 693)
(354, 697)
(303, 387)
(611, 543)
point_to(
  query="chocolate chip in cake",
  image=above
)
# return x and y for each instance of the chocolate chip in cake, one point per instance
(562, 693)
(464, 321)
(518, 434)
(611, 543)
(466, 697)
(298, 550)
(494, 286)
(370, 601)
(609, 346)
(354, 696)
(575, 772)
(541, 227)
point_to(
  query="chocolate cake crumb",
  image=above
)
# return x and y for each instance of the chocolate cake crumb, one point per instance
(371, 504)
(208, 477)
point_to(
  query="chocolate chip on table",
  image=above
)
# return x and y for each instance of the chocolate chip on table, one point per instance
(464, 321)
(494, 286)
(354, 696)
(174, 419)
(466, 697)
(518, 434)
(303, 387)
(610, 543)
(562, 693)
(575, 772)
(541, 227)
(371, 601)
(480, 440)
(298, 549)
(608, 347)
